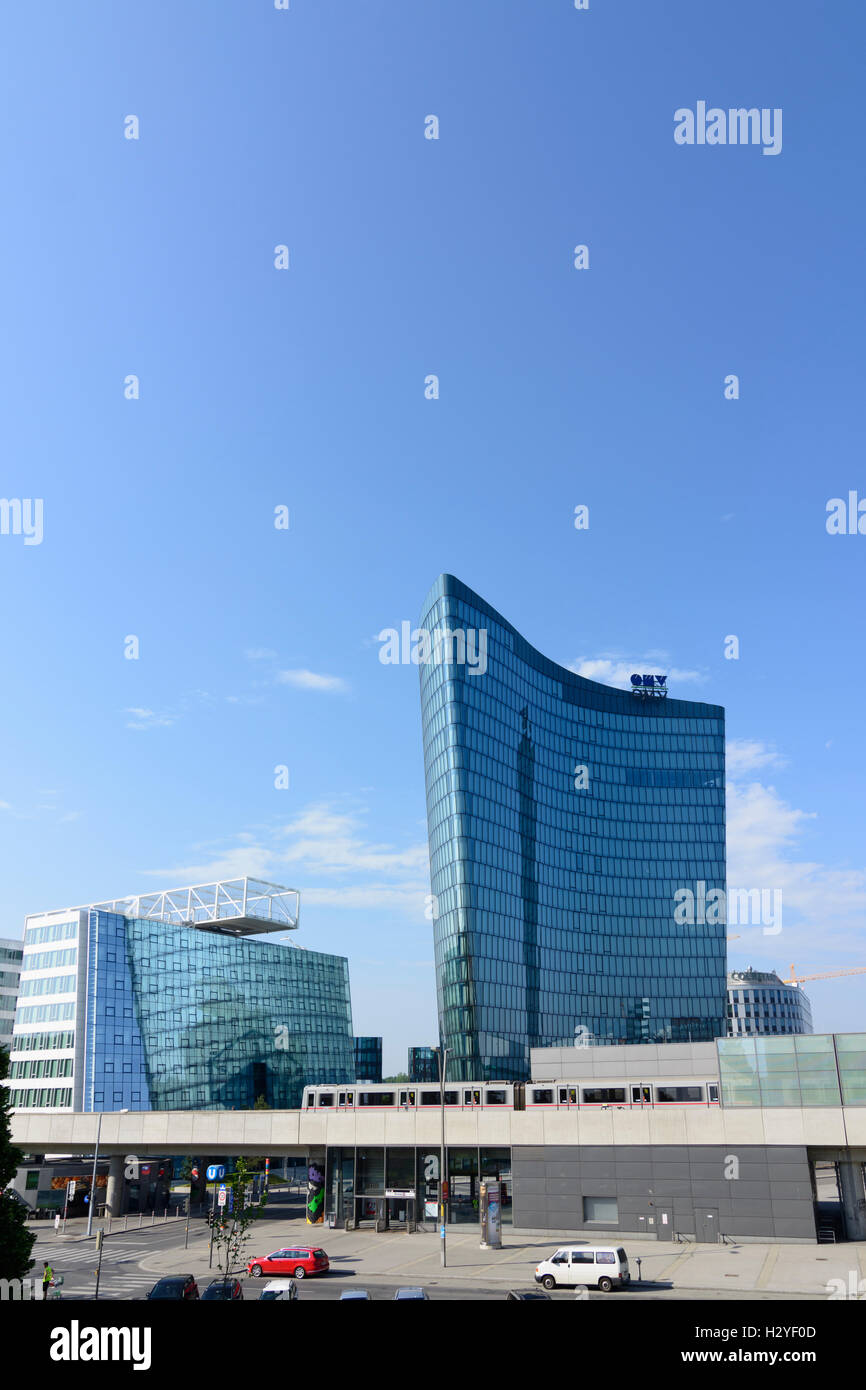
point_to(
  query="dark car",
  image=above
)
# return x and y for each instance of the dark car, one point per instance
(518, 1296)
(175, 1286)
(223, 1291)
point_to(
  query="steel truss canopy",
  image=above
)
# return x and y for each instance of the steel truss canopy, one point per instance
(236, 906)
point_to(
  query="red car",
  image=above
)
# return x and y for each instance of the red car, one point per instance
(297, 1260)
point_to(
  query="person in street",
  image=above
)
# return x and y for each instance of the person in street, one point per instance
(47, 1276)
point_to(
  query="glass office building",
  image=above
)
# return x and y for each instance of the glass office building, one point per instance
(118, 1011)
(423, 1064)
(760, 1003)
(368, 1059)
(572, 828)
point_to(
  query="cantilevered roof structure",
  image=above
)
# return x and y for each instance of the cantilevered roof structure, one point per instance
(233, 906)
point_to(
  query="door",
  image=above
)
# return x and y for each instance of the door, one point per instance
(707, 1225)
(582, 1269)
(665, 1223)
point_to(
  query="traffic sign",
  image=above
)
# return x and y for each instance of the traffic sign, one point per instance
(215, 1172)
(70, 1188)
(222, 1196)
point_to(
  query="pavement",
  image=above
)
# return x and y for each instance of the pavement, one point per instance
(135, 1258)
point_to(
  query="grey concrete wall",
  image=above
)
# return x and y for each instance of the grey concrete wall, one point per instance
(639, 1062)
(770, 1198)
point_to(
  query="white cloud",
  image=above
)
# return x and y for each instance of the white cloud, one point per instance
(745, 755)
(324, 853)
(310, 680)
(148, 719)
(612, 669)
(823, 906)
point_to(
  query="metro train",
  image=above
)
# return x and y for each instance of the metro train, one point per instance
(513, 1095)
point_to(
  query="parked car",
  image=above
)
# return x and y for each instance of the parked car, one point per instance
(224, 1291)
(601, 1266)
(284, 1289)
(349, 1294)
(297, 1260)
(518, 1296)
(175, 1286)
(411, 1293)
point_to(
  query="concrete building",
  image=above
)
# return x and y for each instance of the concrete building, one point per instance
(760, 1004)
(11, 952)
(780, 1155)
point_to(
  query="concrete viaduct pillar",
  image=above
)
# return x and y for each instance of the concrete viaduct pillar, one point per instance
(853, 1194)
(115, 1198)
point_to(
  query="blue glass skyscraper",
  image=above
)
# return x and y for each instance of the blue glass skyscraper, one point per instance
(563, 817)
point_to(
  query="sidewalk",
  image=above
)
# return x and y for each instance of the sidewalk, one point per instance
(415, 1259)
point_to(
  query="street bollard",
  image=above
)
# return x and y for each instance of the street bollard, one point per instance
(140, 1219)
(126, 1222)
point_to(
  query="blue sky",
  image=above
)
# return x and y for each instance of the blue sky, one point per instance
(305, 388)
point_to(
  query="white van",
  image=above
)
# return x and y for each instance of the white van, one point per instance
(605, 1267)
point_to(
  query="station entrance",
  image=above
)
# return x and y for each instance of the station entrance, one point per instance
(397, 1188)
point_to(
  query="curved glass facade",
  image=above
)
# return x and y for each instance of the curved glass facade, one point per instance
(563, 817)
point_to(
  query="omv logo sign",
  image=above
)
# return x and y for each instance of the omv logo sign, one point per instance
(649, 685)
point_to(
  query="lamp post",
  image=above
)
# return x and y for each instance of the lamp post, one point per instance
(442, 1053)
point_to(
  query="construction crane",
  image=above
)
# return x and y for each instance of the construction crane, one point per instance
(796, 979)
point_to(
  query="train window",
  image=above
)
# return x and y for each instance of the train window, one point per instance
(542, 1097)
(403, 1098)
(641, 1095)
(376, 1097)
(431, 1097)
(563, 1096)
(452, 1097)
(712, 1091)
(572, 1096)
(327, 1098)
(411, 1097)
(350, 1097)
(603, 1095)
(311, 1100)
(496, 1098)
(342, 1100)
(678, 1095)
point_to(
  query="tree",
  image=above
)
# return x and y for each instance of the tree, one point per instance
(231, 1229)
(401, 1076)
(16, 1242)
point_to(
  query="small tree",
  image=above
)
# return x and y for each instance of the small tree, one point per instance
(231, 1231)
(16, 1242)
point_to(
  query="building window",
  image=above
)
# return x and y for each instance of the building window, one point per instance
(601, 1209)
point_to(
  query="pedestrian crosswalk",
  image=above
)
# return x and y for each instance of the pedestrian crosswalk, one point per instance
(77, 1262)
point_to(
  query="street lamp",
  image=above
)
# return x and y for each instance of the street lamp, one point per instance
(442, 1053)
